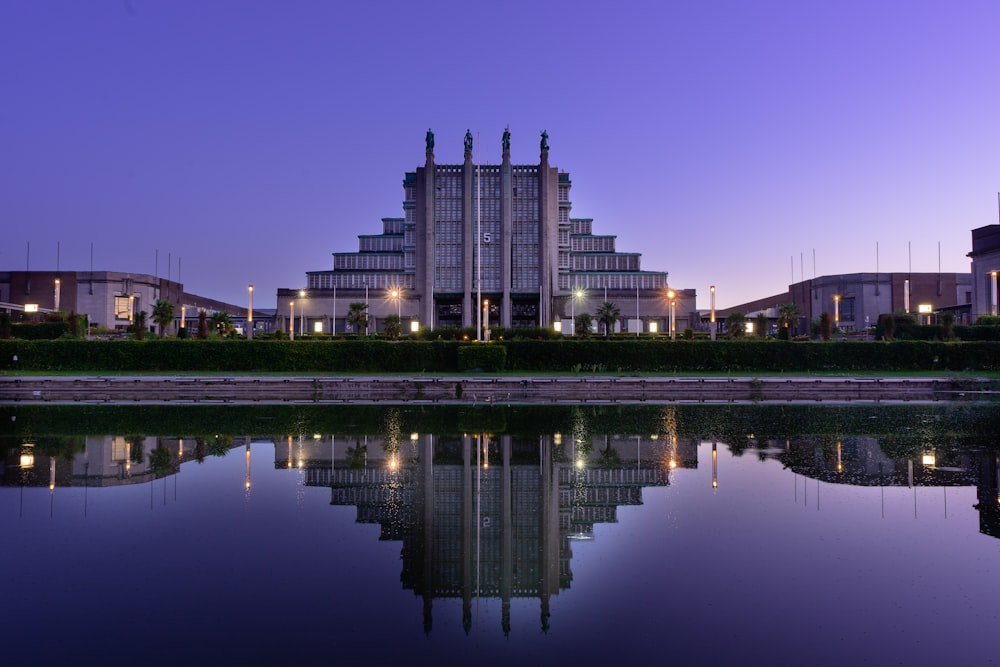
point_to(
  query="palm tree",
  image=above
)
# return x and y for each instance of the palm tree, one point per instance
(393, 326)
(163, 314)
(202, 324)
(582, 324)
(139, 325)
(222, 323)
(607, 315)
(357, 316)
(788, 316)
(736, 324)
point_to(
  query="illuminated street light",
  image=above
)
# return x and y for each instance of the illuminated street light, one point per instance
(302, 312)
(836, 311)
(993, 309)
(712, 320)
(250, 313)
(577, 294)
(291, 320)
(673, 331)
(486, 320)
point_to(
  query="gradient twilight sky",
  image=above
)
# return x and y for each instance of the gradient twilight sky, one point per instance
(725, 140)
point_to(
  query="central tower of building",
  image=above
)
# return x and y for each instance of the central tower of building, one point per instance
(490, 231)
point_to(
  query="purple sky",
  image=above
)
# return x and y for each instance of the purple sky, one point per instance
(723, 140)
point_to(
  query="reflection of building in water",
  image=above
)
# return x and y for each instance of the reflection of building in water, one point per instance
(860, 461)
(106, 460)
(482, 516)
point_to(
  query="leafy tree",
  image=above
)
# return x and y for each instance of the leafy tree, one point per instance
(222, 323)
(6, 326)
(736, 324)
(138, 326)
(393, 326)
(761, 325)
(947, 326)
(887, 326)
(583, 324)
(357, 316)
(163, 314)
(202, 324)
(607, 314)
(788, 316)
(825, 326)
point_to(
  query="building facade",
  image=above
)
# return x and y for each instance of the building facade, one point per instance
(484, 243)
(109, 299)
(985, 257)
(855, 300)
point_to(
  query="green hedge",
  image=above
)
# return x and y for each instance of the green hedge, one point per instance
(593, 355)
(489, 357)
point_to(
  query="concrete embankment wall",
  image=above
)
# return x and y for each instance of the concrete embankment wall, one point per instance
(482, 389)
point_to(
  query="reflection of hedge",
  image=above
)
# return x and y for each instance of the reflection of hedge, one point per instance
(938, 425)
(354, 356)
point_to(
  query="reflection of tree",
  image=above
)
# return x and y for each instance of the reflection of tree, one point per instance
(200, 449)
(357, 456)
(160, 460)
(138, 447)
(610, 458)
(219, 445)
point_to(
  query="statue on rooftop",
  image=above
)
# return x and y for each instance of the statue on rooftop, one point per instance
(545, 140)
(506, 140)
(430, 140)
(468, 141)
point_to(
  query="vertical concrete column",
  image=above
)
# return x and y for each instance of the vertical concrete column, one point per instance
(507, 554)
(506, 234)
(467, 519)
(469, 232)
(548, 236)
(425, 238)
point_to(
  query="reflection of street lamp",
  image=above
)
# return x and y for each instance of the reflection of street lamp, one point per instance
(250, 313)
(712, 291)
(673, 332)
(836, 311)
(291, 320)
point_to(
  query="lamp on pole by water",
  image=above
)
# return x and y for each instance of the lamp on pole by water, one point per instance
(577, 294)
(836, 311)
(673, 332)
(396, 295)
(993, 307)
(291, 320)
(486, 320)
(302, 312)
(712, 321)
(250, 312)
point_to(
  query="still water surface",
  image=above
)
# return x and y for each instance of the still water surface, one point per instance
(565, 543)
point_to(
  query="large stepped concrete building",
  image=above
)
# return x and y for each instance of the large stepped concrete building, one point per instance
(500, 236)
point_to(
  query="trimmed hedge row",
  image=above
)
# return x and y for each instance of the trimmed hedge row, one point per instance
(594, 355)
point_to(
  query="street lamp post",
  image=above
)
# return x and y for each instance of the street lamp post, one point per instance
(993, 306)
(577, 293)
(673, 331)
(712, 329)
(57, 286)
(396, 295)
(486, 320)
(302, 312)
(291, 320)
(250, 312)
(836, 311)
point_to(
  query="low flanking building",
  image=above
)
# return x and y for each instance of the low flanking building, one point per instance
(478, 244)
(855, 300)
(985, 257)
(109, 299)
